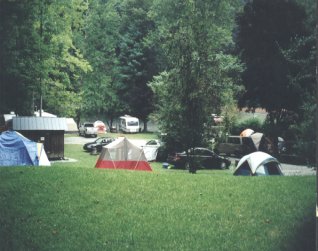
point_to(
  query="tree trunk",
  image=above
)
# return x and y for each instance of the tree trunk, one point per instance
(191, 161)
(78, 119)
(273, 133)
(111, 122)
(145, 126)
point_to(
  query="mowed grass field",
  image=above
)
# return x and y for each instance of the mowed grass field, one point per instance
(74, 206)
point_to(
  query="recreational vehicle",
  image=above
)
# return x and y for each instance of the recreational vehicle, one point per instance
(128, 124)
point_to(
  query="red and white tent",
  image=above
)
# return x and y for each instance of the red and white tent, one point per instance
(123, 154)
(101, 127)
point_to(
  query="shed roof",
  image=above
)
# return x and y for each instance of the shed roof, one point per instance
(39, 124)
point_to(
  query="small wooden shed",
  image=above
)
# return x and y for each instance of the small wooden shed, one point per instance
(49, 131)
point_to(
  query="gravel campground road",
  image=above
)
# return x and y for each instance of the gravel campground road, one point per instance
(288, 169)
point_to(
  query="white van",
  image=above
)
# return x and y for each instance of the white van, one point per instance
(128, 124)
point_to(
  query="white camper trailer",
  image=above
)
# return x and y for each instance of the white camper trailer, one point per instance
(128, 124)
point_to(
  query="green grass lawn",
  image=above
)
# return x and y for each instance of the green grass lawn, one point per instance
(73, 206)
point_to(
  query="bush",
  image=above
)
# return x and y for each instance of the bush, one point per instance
(253, 123)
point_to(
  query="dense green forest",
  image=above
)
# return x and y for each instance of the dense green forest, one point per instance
(176, 61)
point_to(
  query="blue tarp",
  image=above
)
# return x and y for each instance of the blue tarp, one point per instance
(16, 150)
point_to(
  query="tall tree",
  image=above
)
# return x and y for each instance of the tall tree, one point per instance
(100, 42)
(19, 56)
(193, 35)
(266, 29)
(38, 57)
(64, 61)
(302, 60)
(137, 58)
(122, 58)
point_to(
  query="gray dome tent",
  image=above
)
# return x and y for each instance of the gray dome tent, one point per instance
(258, 164)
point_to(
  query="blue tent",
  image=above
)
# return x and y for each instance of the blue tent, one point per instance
(16, 150)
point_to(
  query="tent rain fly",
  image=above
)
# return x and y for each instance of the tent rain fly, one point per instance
(123, 154)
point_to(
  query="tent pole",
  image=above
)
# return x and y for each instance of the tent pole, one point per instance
(138, 159)
(115, 167)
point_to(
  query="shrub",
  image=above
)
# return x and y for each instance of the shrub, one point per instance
(253, 123)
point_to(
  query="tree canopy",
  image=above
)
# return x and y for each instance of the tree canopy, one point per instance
(194, 38)
(178, 61)
(266, 28)
(38, 56)
(277, 46)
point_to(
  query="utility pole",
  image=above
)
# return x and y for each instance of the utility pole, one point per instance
(316, 124)
(41, 36)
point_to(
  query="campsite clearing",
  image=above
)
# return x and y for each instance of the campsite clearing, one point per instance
(74, 206)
